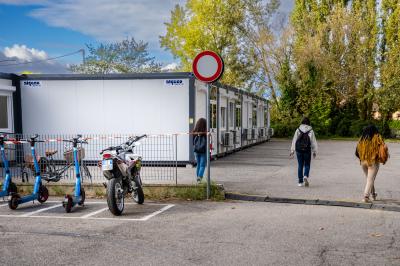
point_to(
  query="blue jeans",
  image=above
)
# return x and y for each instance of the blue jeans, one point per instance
(201, 164)
(304, 162)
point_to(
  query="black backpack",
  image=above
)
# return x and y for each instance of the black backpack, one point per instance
(199, 144)
(303, 142)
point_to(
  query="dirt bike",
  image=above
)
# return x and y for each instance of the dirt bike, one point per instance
(121, 167)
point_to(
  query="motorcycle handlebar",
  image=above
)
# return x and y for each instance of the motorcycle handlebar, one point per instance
(136, 139)
(111, 148)
(129, 143)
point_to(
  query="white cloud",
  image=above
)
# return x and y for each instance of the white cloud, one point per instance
(23, 53)
(170, 67)
(108, 20)
(16, 59)
(24, 2)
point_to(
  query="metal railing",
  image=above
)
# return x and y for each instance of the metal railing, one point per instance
(159, 154)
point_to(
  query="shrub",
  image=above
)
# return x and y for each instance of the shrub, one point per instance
(394, 128)
(284, 129)
(394, 124)
(343, 128)
(357, 126)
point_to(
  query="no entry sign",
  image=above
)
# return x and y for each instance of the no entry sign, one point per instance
(208, 66)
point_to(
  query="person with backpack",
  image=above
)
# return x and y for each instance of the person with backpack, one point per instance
(304, 143)
(371, 150)
(199, 147)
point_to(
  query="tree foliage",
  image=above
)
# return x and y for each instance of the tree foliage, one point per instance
(236, 29)
(389, 92)
(336, 61)
(344, 64)
(127, 56)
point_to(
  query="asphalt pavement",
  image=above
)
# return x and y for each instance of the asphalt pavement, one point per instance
(208, 233)
(336, 174)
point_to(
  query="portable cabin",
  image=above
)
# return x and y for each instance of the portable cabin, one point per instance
(151, 103)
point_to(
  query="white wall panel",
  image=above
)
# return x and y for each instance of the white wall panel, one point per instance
(107, 106)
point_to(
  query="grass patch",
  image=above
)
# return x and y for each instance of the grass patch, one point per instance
(25, 190)
(153, 192)
(99, 192)
(58, 191)
(191, 192)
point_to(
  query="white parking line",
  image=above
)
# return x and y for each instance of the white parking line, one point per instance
(89, 216)
(3, 205)
(93, 213)
(157, 212)
(41, 210)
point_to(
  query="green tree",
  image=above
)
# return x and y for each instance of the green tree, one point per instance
(127, 56)
(209, 25)
(340, 40)
(389, 92)
(267, 52)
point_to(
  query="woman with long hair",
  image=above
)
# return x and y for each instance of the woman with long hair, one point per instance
(200, 147)
(371, 150)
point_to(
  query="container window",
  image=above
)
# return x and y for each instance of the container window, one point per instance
(223, 117)
(4, 112)
(254, 118)
(213, 115)
(238, 116)
(231, 114)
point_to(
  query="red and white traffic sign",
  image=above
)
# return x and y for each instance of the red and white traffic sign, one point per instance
(208, 66)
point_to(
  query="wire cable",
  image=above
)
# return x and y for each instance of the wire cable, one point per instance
(44, 60)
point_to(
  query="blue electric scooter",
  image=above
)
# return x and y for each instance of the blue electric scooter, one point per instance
(40, 192)
(8, 186)
(79, 194)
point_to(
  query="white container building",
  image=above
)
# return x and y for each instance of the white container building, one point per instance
(152, 103)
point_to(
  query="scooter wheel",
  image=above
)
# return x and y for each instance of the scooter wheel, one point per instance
(13, 202)
(83, 197)
(43, 194)
(68, 204)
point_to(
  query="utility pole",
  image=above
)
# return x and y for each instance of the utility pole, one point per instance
(83, 55)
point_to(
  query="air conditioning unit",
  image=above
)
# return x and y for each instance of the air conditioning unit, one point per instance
(244, 134)
(249, 134)
(271, 132)
(253, 133)
(226, 139)
(236, 136)
(261, 132)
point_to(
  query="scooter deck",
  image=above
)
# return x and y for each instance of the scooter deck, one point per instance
(28, 198)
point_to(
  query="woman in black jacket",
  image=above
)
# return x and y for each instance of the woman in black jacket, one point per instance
(200, 147)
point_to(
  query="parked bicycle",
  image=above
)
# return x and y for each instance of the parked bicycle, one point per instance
(53, 170)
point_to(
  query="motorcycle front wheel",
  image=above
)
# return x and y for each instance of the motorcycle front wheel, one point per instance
(138, 195)
(115, 196)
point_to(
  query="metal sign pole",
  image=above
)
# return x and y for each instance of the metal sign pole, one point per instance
(208, 66)
(208, 151)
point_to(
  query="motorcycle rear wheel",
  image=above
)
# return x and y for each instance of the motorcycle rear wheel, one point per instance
(115, 196)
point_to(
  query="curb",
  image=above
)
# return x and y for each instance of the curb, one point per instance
(336, 203)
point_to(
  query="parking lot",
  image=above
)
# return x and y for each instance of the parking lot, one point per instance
(200, 233)
(92, 210)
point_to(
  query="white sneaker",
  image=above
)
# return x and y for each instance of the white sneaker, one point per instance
(306, 182)
(300, 184)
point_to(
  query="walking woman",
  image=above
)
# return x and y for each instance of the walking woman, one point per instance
(371, 150)
(304, 143)
(199, 147)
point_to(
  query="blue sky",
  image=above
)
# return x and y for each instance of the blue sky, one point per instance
(40, 29)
